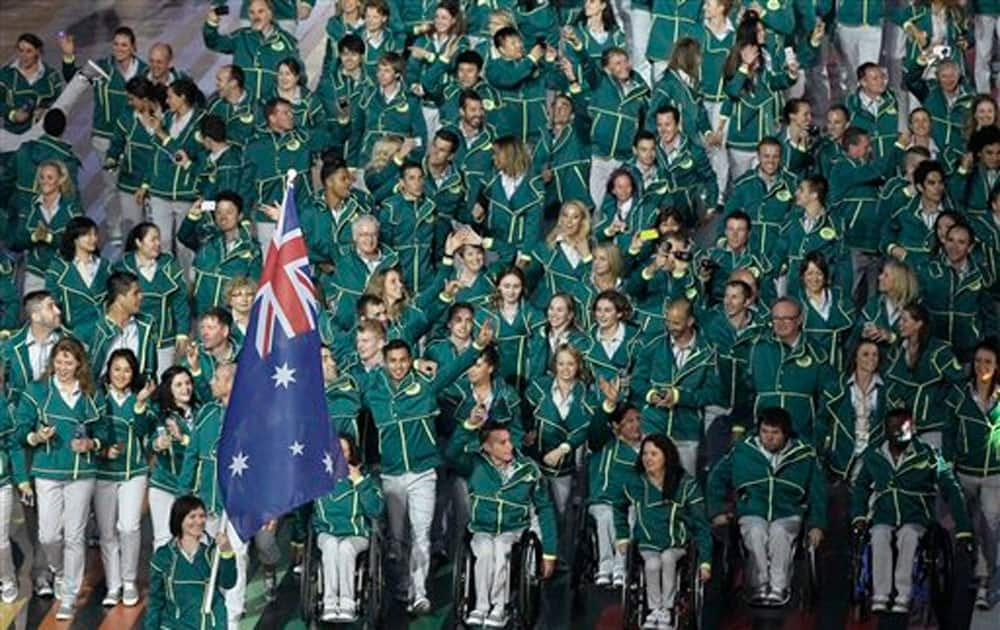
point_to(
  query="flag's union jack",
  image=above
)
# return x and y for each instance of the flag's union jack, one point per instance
(286, 295)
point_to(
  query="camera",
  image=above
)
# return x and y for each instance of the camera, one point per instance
(222, 9)
(208, 206)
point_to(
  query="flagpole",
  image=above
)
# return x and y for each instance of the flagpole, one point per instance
(206, 601)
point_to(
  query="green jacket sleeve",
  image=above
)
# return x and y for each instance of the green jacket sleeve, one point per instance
(696, 519)
(156, 600)
(227, 572)
(370, 494)
(719, 482)
(214, 40)
(546, 518)
(860, 492)
(952, 492)
(816, 517)
(622, 502)
(457, 452)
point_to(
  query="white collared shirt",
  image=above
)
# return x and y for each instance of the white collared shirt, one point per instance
(374, 40)
(391, 93)
(611, 345)
(48, 212)
(929, 218)
(215, 155)
(87, 269)
(562, 403)
(119, 397)
(38, 353)
(128, 338)
(870, 104)
(180, 123)
(130, 71)
(510, 184)
(864, 403)
(571, 253)
(809, 222)
(623, 209)
(69, 397)
(682, 354)
(148, 270)
(823, 306)
(557, 339)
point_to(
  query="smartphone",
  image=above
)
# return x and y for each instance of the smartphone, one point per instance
(649, 235)
(222, 9)
(540, 41)
(208, 206)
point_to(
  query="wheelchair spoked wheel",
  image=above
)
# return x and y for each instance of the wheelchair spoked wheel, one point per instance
(372, 585)
(940, 571)
(309, 584)
(463, 581)
(529, 585)
(861, 580)
(634, 591)
(808, 584)
(690, 597)
(585, 558)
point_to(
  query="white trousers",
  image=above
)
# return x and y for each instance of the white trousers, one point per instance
(63, 509)
(609, 560)
(130, 214)
(688, 452)
(234, 596)
(492, 552)
(883, 574)
(265, 232)
(718, 157)
(740, 162)
(982, 496)
(339, 557)
(432, 119)
(118, 507)
(600, 172)
(642, 24)
(160, 504)
(858, 44)
(32, 282)
(987, 36)
(661, 577)
(411, 496)
(7, 571)
(770, 547)
(168, 215)
(165, 358)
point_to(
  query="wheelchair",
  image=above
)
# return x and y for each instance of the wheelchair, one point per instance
(368, 582)
(586, 557)
(933, 575)
(690, 591)
(804, 582)
(525, 582)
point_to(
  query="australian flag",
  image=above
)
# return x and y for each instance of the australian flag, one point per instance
(278, 449)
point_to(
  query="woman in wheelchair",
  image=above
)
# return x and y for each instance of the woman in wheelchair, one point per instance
(504, 489)
(669, 512)
(610, 470)
(779, 486)
(895, 494)
(343, 522)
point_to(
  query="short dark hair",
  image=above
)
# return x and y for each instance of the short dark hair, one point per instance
(127, 32)
(54, 122)
(669, 109)
(768, 141)
(792, 107)
(775, 417)
(818, 185)
(77, 227)
(609, 53)
(924, 169)
(293, 64)
(396, 344)
(460, 306)
(491, 355)
(865, 67)
(853, 135)
(364, 301)
(272, 104)
(409, 165)
(982, 138)
(33, 300)
(815, 258)
(236, 74)
(31, 38)
(351, 43)
(119, 283)
(470, 57)
(331, 166)
(179, 511)
(840, 107)
(489, 428)
(450, 137)
(189, 90)
(213, 127)
(739, 215)
(643, 134)
(468, 95)
(232, 197)
(742, 286)
(503, 34)
(219, 314)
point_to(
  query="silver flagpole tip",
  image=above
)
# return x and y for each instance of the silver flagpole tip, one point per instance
(292, 174)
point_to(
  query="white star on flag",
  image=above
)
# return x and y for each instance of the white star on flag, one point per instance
(239, 464)
(296, 448)
(327, 462)
(283, 376)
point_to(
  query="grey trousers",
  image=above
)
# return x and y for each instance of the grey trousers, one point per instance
(770, 547)
(883, 573)
(661, 577)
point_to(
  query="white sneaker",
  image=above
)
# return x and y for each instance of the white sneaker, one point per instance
(666, 620)
(497, 618)
(58, 588)
(348, 611)
(111, 599)
(652, 621)
(475, 618)
(43, 587)
(603, 579)
(982, 598)
(900, 608)
(9, 592)
(130, 594)
(618, 581)
(879, 605)
(65, 612)
(420, 606)
(330, 615)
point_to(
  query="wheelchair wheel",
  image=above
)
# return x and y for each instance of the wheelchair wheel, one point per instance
(309, 585)
(940, 571)
(372, 583)
(861, 579)
(463, 592)
(585, 558)
(634, 591)
(526, 568)
(690, 594)
(807, 579)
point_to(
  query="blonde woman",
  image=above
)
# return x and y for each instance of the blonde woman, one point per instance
(382, 172)
(405, 318)
(239, 295)
(897, 288)
(40, 229)
(563, 260)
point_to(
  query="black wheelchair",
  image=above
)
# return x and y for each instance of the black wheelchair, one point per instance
(690, 591)
(804, 581)
(585, 557)
(525, 582)
(933, 575)
(369, 582)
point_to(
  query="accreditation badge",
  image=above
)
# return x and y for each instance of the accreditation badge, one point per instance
(828, 234)
(783, 195)
(804, 362)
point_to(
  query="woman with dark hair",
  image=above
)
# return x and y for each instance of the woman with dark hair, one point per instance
(680, 86)
(61, 426)
(432, 59)
(613, 341)
(921, 372)
(176, 404)
(973, 449)
(173, 183)
(343, 521)
(853, 412)
(132, 152)
(828, 316)
(121, 475)
(663, 493)
(623, 212)
(513, 319)
(594, 31)
(179, 572)
(307, 110)
(78, 277)
(164, 290)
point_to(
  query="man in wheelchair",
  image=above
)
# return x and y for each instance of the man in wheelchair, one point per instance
(895, 493)
(505, 488)
(779, 486)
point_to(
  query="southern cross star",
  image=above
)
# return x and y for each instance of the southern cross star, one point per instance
(328, 463)
(296, 448)
(283, 376)
(239, 464)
